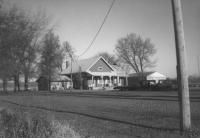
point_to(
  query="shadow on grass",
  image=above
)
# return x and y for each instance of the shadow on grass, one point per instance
(94, 116)
(111, 96)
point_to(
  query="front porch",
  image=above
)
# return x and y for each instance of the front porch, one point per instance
(106, 82)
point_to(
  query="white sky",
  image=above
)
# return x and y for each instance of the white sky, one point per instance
(78, 21)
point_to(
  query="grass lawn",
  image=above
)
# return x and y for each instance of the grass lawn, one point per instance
(110, 114)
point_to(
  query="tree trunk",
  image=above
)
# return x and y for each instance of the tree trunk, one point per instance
(26, 82)
(16, 83)
(142, 73)
(49, 76)
(49, 85)
(5, 82)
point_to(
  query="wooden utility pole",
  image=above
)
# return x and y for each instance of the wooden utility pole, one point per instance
(198, 62)
(182, 76)
(80, 73)
(71, 82)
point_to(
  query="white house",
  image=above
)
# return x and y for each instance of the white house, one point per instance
(96, 73)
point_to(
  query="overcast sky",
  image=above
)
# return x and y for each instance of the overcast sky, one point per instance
(78, 21)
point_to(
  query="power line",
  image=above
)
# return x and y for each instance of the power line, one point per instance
(94, 38)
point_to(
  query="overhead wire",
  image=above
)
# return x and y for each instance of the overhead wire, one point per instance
(103, 22)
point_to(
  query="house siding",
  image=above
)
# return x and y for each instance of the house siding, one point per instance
(100, 66)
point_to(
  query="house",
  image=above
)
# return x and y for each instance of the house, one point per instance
(151, 77)
(95, 73)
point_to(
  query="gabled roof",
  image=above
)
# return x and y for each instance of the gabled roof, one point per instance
(55, 78)
(140, 74)
(85, 65)
(156, 75)
(149, 75)
(60, 77)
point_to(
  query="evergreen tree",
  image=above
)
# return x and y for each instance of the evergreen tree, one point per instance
(51, 56)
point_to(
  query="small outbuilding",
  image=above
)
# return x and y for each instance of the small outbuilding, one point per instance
(153, 77)
(58, 82)
(43, 83)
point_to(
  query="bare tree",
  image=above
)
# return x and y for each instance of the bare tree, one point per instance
(9, 44)
(34, 30)
(1, 2)
(136, 52)
(18, 52)
(69, 56)
(4, 64)
(69, 53)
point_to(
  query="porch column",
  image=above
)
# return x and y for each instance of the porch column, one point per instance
(102, 81)
(92, 80)
(110, 82)
(126, 81)
(117, 80)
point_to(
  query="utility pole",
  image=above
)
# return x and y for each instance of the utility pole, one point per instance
(80, 73)
(198, 62)
(71, 82)
(182, 76)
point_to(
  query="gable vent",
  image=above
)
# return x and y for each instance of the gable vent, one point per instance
(100, 68)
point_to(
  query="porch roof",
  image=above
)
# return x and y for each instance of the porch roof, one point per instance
(102, 73)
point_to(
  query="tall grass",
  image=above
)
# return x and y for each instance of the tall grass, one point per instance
(20, 125)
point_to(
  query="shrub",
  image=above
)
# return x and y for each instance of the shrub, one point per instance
(19, 125)
(193, 133)
(63, 130)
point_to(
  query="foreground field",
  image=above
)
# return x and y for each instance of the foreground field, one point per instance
(110, 114)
